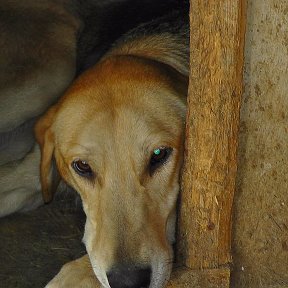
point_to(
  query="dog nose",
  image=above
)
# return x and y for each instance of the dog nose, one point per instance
(129, 276)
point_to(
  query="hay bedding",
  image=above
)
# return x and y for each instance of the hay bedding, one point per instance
(34, 245)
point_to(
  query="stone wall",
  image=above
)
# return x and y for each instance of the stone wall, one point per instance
(260, 246)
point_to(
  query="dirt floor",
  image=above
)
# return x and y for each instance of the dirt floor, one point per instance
(34, 245)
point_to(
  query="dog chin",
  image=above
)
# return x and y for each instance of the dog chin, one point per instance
(161, 271)
(100, 273)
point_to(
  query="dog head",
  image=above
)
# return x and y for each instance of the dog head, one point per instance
(117, 139)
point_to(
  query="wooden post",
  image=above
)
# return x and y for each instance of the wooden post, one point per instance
(208, 182)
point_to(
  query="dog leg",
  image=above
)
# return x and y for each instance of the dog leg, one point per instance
(20, 185)
(78, 273)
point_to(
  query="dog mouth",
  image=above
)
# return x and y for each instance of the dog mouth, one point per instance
(161, 272)
(134, 276)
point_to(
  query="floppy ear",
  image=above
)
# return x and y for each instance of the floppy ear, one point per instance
(49, 175)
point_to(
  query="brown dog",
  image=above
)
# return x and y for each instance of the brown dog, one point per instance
(43, 44)
(117, 138)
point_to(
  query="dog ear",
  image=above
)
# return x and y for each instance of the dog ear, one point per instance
(49, 175)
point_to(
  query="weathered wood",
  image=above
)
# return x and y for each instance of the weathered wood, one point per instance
(217, 33)
(208, 278)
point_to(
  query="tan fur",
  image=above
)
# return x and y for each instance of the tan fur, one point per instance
(37, 48)
(43, 44)
(113, 117)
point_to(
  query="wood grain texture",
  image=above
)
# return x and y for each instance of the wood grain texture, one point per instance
(208, 278)
(217, 33)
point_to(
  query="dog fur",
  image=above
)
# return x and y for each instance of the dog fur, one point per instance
(131, 102)
(30, 63)
(43, 45)
(113, 117)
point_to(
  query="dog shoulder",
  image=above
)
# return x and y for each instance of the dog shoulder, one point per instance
(165, 39)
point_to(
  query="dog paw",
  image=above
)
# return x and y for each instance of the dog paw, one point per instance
(77, 273)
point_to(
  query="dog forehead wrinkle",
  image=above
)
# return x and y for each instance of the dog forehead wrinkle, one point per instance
(116, 99)
(85, 132)
(146, 118)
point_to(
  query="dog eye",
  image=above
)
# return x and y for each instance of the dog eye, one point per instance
(158, 158)
(82, 168)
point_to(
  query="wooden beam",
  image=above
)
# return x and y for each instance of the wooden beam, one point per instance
(208, 278)
(208, 183)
